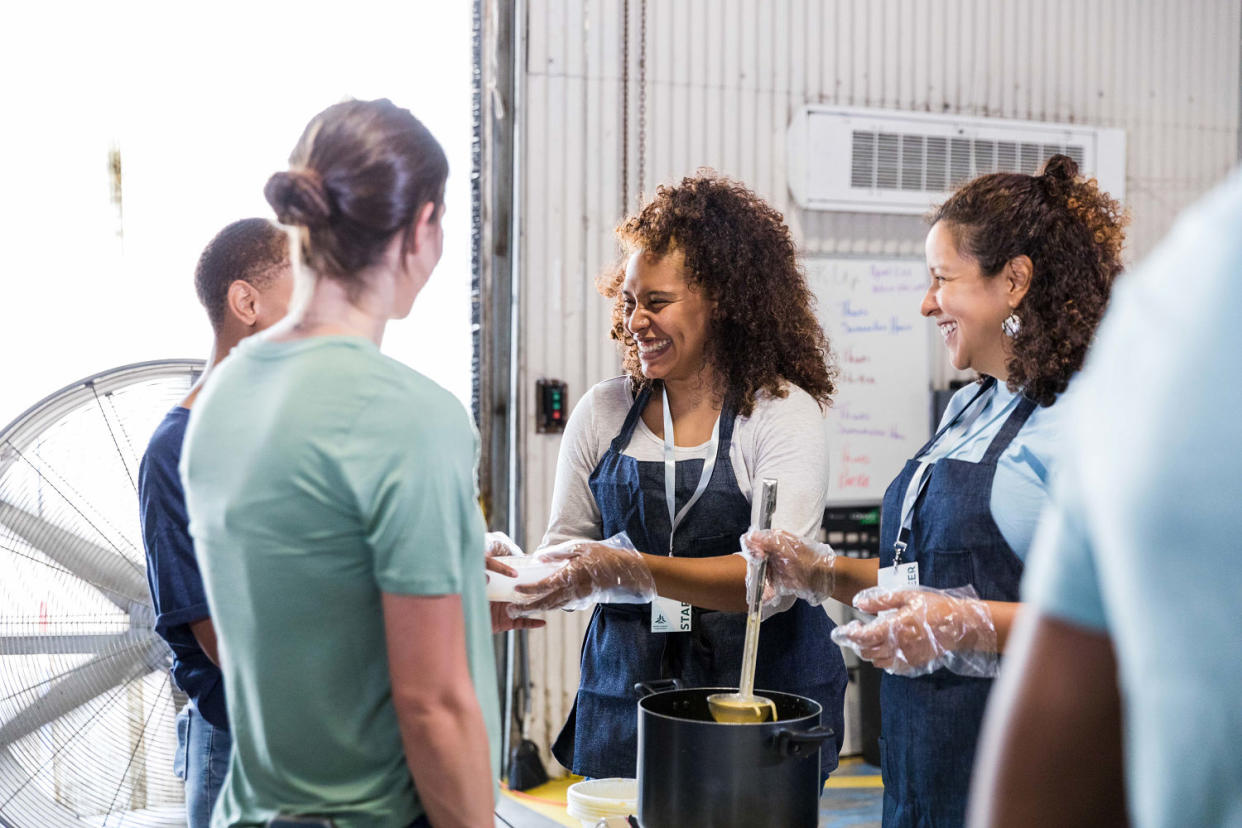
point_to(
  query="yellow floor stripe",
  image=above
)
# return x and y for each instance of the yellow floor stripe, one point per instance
(859, 781)
(843, 780)
(548, 799)
(553, 789)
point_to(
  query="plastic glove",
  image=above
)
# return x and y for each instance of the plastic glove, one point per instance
(795, 567)
(499, 545)
(611, 571)
(921, 630)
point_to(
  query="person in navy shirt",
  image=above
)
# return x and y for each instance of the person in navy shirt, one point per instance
(244, 281)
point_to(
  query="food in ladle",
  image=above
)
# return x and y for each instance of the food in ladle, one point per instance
(732, 708)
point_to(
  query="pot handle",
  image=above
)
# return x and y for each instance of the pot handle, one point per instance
(799, 743)
(647, 688)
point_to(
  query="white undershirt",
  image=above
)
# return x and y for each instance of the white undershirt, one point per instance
(783, 438)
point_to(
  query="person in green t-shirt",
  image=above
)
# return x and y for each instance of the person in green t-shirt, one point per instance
(333, 505)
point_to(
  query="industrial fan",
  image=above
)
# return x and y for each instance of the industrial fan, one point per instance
(87, 707)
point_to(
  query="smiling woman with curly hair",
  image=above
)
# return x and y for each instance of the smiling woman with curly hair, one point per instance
(1020, 271)
(738, 251)
(1069, 235)
(727, 383)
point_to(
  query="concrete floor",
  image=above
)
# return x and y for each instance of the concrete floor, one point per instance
(853, 796)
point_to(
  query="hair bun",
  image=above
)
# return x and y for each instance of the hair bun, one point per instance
(299, 198)
(1060, 168)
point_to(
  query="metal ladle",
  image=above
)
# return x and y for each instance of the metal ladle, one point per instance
(744, 707)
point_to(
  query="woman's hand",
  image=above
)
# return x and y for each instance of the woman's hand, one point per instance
(612, 571)
(795, 567)
(500, 545)
(503, 619)
(921, 630)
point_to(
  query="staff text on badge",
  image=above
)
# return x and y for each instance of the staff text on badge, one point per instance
(668, 615)
(900, 576)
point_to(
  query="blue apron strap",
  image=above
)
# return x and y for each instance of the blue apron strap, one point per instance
(728, 416)
(1013, 424)
(728, 412)
(987, 383)
(922, 476)
(631, 421)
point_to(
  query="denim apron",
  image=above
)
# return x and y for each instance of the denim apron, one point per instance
(930, 725)
(796, 654)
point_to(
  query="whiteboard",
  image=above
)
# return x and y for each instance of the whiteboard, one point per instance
(869, 308)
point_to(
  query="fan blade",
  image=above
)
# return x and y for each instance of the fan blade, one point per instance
(60, 644)
(116, 578)
(96, 677)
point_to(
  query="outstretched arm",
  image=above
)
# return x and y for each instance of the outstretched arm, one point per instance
(1051, 745)
(711, 583)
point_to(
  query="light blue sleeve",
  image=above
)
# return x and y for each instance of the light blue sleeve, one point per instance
(1061, 577)
(1020, 490)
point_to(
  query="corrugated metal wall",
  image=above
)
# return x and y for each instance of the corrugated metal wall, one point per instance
(722, 80)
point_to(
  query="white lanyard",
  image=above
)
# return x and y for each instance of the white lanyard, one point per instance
(670, 472)
(921, 477)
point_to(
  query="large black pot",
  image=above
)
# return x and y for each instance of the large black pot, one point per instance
(694, 771)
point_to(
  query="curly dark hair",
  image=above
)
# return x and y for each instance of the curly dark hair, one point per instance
(1073, 234)
(250, 250)
(738, 250)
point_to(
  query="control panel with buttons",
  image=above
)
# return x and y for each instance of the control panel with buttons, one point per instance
(551, 406)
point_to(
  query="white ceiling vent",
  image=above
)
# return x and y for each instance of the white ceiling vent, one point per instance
(885, 161)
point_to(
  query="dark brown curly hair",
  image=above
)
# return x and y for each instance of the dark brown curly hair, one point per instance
(1073, 234)
(738, 250)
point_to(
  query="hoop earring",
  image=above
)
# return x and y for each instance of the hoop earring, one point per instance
(1011, 325)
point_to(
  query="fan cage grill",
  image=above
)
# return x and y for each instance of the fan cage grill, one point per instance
(87, 707)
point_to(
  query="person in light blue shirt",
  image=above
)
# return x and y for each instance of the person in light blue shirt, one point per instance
(1136, 638)
(1020, 488)
(1021, 268)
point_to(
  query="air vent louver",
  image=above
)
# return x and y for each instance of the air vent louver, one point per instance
(881, 161)
(900, 163)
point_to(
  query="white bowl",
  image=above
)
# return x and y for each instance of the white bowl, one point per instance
(593, 799)
(530, 570)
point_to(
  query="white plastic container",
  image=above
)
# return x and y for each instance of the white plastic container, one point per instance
(594, 799)
(530, 570)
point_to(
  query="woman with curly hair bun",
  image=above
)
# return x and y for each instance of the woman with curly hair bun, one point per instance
(727, 380)
(1021, 268)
